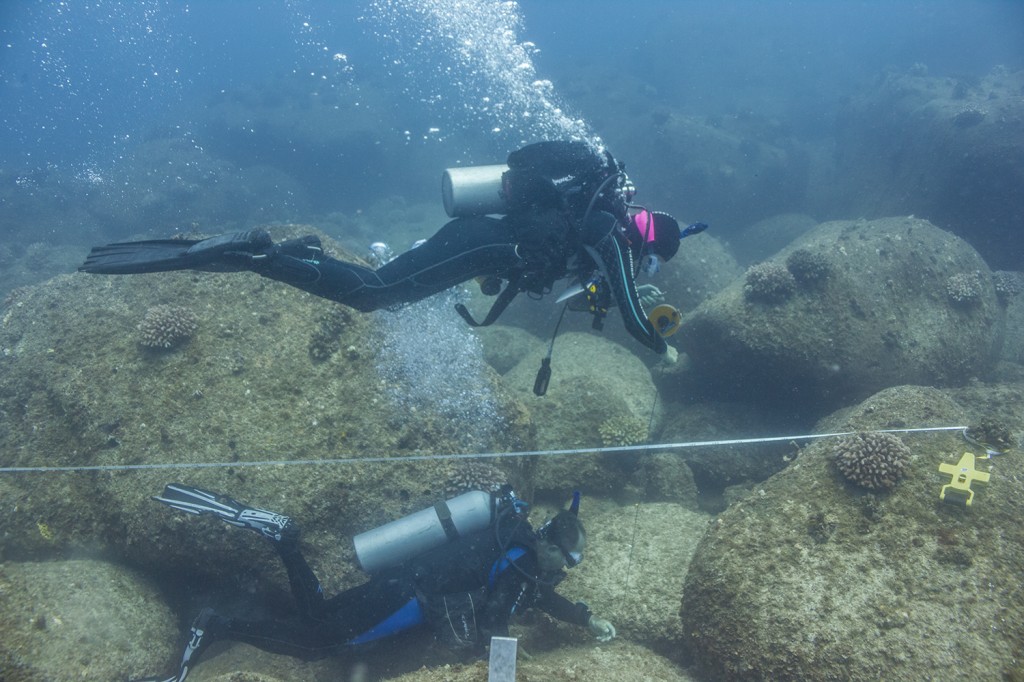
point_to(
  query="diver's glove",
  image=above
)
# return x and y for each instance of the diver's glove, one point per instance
(601, 629)
(671, 356)
(650, 295)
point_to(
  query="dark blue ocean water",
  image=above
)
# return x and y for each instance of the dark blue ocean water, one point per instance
(158, 114)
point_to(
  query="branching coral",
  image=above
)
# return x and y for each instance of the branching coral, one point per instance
(808, 267)
(872, 460)
(167, 326)
(467, 476)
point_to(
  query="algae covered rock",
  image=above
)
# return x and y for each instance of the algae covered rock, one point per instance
(868, 307)
(600, 394)
(947, 148)
(81, 620)
(812, 577)
(633, 569)
(269, 374)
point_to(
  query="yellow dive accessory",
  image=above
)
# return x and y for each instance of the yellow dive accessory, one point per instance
(964, 474)
(666, 319)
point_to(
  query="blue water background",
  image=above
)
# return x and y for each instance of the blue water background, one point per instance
(89, 86)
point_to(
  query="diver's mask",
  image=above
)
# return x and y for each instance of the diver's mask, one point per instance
(565, 536)
(650, 265)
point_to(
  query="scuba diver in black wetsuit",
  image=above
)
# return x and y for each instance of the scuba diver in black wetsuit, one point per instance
(465, 588)
(567, 214)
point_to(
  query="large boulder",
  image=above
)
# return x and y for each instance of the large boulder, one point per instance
(634, 567)
(813, 577)
(255, 372)
(600, 395)
(849, 309)
(81, 620)
(948, 149)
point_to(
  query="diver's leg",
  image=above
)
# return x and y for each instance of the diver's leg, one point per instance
(461, 250)
(351, 612)
(306, 589)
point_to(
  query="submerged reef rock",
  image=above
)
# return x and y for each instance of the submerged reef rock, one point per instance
(768, 282)
(81, 620)
(939, 147)
(804, 581)
(167, 326)
(75, 391)
(1013, 302)
(593, 380)
(872, 460)
(634, 569)
(880, 318)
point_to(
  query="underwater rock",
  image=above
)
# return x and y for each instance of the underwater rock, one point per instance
(881, 317)
(937, 147)
(1013, 348)
(593, 380)
(506, 346)
(81, 620)
(619, 660)
(811, 578)
(633, 569)
(76, 390)
(716, 468)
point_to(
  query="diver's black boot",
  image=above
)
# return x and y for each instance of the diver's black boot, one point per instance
(277, 527)
(229, 252)
(295, 261)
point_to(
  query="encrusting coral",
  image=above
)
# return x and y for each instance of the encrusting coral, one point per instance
(964, 288)
(872, 460)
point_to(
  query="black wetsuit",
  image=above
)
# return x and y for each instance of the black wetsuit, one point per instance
(551, 232)
(473, 573)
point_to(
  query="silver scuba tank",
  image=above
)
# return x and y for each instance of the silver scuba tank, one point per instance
(473, 190)
(404, 538)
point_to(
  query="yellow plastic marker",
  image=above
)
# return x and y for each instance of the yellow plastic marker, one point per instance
(964, 474)
(665, 319)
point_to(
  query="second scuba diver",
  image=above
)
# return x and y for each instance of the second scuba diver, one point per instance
(466, 589)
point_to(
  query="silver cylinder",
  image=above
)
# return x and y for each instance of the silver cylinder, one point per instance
(473, 190)
(409, 536)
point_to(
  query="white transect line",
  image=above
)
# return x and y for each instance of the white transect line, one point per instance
(482, 455)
